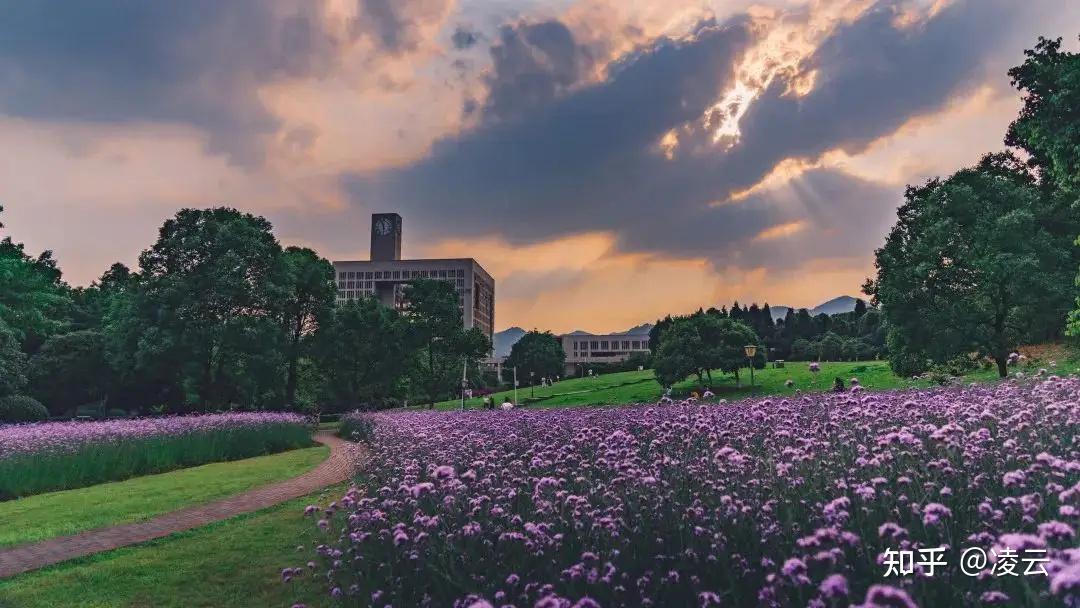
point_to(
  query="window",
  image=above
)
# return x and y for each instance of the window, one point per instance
(594, 345)
(367, 275)
(626, 345)
(397, 274)
(637, 344)
(461, 272)
(352, 275)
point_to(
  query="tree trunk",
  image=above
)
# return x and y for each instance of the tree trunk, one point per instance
(294, 356)
(708, 373)
(1002, 365)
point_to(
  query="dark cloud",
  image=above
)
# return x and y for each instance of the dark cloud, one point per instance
(578, 158)
(196, 62)
(533, 64)
(464, 37)
(192, 62)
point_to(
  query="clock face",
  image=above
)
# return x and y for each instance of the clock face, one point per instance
(384, 226)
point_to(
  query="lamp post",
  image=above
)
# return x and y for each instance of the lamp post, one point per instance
(751, 350)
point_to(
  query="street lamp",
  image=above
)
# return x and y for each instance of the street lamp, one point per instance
(751, 350)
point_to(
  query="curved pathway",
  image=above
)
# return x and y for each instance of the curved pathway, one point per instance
(343, 458)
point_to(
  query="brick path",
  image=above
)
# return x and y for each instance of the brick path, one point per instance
(335, 469)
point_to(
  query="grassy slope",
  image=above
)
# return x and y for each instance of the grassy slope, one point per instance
(636, 387)
(235, 563)
(61, 513)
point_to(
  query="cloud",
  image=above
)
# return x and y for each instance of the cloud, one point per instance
(552, 158)
(200, 63)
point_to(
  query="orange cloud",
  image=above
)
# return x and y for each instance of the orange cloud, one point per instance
(781, 230)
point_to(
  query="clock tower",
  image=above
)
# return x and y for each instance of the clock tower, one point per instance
(385, 237)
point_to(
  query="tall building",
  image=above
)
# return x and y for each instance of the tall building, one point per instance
(385, 275)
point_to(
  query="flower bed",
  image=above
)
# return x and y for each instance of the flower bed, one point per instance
(768, 502)
(37, 458)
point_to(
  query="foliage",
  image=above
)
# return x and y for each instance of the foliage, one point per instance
(537, 354)
(364, 352)
(761, 501)
(33, 300)
(20, 408)
(202, 319)
(969, 265)
(1048, 129)
(308, 301)
(700, 343)
(64, 455)
(445, 347)
(70, 370)
(12, 363)
(355, 427)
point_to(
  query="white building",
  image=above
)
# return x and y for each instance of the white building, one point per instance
(583, 349)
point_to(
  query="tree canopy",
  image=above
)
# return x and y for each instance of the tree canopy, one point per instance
(969, 266)
(537, 354)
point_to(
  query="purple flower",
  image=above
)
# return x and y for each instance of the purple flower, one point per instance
(834, 586)
(885, 596)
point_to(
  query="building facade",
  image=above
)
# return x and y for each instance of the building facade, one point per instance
(385, 276)
(583, 349)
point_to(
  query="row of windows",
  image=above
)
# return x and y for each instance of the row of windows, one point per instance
(611, 344)
(459, 283)
(402, 274)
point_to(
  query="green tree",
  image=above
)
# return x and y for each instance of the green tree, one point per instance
(700, 343)
(537, 354)
(204, 314)
(70, 370)
(967, 266)
(33, 299)
(830, 347)
(12, 363)
(363, 352)
(309, 293)
(1048, 129)
(445, 347)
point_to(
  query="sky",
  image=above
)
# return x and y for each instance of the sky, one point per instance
(607, 161)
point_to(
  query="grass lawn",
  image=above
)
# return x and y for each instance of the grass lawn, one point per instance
(61, 513)
(638, 387)
(235, 563)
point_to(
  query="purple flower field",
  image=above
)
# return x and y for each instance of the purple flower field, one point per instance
(47, 456)
(769, 502)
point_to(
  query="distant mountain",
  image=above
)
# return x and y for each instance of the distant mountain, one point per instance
(834, 306)
(640, 330)
(504, 340)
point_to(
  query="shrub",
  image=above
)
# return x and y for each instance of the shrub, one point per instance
(19, 408)
(355, 426)
(37, 458)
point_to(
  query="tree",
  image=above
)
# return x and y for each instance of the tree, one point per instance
(33, 299)
(12, 363)
(830, 347)
(203, 316)
(363, 352)
(434, 315)
(309, 293)
(1047, 129)
(967, 266)
(860, 308)
(700, 343)
(537, 354)
(70, 370)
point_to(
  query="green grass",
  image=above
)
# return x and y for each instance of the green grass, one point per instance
(641, 387)
(70, 511)
(235, 563)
